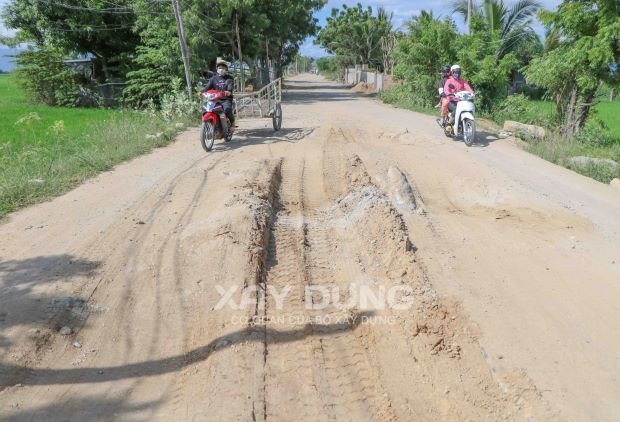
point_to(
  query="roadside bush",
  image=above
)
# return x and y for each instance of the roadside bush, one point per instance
(177, 105)
(596, 133)
(519, 108)
(402, 96)
(44, 76)
(531, 92)
(486, 73)
(329, 66)
(419, 55)
(153, 78)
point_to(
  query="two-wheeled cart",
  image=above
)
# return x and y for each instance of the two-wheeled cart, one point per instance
(264, 103)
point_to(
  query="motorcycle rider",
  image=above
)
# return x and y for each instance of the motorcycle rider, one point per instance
(223, 82)
(453, 85)
(443, 101)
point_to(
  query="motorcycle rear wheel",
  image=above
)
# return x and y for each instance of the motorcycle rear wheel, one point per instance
(207, 135)
(229, 134)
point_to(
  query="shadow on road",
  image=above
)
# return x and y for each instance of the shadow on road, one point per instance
(296, 85)
(92, 408)
(309, 97)
(20, 304)
(175, 363)
(484, 138)
(245, 137)
(42, 269)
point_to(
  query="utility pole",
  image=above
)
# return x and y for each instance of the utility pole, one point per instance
(183, 44)
(240, 53)
(469, 7)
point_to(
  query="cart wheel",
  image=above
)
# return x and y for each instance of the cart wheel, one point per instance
(277, 117)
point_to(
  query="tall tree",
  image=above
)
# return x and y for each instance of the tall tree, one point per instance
(156, 68)
(586, 55)
(428, 44)
(355, 34)
(291, 22)
(511, 23)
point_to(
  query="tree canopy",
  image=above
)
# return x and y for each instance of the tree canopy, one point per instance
(584, 55)
(136, 40)
(355, 34)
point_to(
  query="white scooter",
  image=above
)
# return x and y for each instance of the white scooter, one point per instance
(462, 118)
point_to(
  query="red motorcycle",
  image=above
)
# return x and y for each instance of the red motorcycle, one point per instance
(215, 124)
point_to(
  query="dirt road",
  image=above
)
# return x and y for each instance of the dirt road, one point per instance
(355, 266)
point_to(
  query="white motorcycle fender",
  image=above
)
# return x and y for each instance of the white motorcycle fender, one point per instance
(466, 115)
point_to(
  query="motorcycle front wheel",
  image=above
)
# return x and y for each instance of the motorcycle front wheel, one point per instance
(207, 135)
(469, 132)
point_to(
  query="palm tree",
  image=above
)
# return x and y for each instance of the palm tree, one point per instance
(511, 23)
(553, 38)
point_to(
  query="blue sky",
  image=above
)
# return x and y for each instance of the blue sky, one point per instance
(403, 10)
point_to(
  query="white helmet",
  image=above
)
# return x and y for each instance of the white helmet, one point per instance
(455, 67)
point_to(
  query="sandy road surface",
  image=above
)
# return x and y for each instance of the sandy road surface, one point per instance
(509, 267)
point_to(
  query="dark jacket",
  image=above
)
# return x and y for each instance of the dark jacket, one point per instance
(221, 83)
(442, 83)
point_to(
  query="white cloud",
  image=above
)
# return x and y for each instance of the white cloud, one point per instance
(309, 49)
(3, 29)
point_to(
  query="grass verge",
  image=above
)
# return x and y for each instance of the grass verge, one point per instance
(559, 151)
(54, 149)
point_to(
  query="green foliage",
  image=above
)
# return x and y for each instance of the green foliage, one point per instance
(402, 96)
(290, 23)
(519, 108)
(271, 29)
(530, 91)
(419, 55)
(511, 25)
(177, 104)
(329, 66)
(98, 27)
(355, 35)
(137, 40)
(44, 76)
(431, 43)
(596, 132)
(157, 69)
(486, 73)
(576, 67)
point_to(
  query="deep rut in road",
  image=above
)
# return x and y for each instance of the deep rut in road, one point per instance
(324, 374)
(333, 229)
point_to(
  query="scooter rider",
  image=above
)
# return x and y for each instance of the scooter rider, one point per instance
(443, 101)
(225, 83)
(453, 85)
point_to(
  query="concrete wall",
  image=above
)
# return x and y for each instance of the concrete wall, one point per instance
(355, 75)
